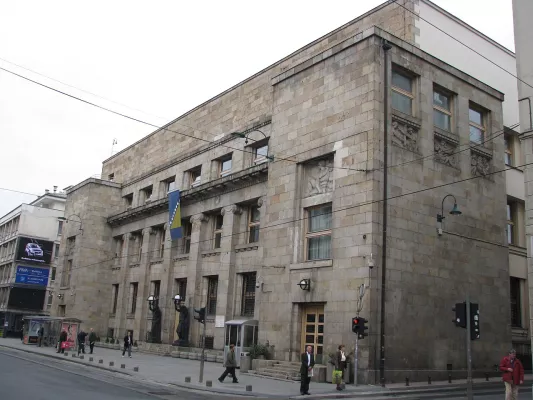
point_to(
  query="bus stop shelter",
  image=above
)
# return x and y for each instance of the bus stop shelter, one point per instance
(52, 328)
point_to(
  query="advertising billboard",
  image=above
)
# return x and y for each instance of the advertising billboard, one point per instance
(35, 250)
(32, 275)
(26, 298)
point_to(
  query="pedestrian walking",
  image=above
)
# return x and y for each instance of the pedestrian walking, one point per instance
(231, 365)
(306, 370)
(81, 341)
(92, 340)
(513, 375)
(340, 366)
(40, 333)
(128, 341)
(62, 341)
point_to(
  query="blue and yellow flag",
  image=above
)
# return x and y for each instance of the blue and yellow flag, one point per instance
(174, 211)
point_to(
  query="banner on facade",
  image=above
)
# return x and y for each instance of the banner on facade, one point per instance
(174, 210)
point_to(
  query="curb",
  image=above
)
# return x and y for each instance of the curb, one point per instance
(75, 361)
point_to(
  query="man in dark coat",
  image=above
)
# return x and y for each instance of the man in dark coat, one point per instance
(40, 333)
(306, 370)
(231, 365)
(92, 340)
(81, 341)
(513, 375)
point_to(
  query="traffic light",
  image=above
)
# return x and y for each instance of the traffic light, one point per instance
(362, 328)
(201, 315)
(355, 325)
(460, 315)
(474, 321)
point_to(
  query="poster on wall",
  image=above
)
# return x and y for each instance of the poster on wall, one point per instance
(72, 334)
(35, 250)
(32, 275)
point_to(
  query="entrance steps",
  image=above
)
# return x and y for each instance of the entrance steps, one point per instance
(279, 370)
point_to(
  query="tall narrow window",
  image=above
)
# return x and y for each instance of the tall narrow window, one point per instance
(52, 274)
(477, 125)
(253, 224)
(140, 247)
(134, 288)
(248, 294)
(65, 276)
(156, 288)
(217, 232)
(115, 299)
(511, 236)
(161, 244)
(181, 287)
(59, 228)
(56, 251)
(516, 302)
(212, 288)
(225, 165)
(508, 150)
(186, 240)
(442, 114)
(319, 232)
(402, 92)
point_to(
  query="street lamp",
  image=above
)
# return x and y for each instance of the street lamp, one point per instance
(243, 135)
(183, 326)
(67, 220)
(305, 284)
(153, 305)
(453, 211)
(177, 302)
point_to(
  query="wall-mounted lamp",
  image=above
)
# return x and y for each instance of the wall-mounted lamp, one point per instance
(177, 302)
(60, 296)
(370, 261)
(305, 284)
(454, 211)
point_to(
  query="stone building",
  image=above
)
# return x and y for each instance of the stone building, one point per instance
(298, 195)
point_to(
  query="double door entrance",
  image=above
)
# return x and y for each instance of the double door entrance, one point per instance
(313, 330)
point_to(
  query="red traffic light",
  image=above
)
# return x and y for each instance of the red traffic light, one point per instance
(356, 321)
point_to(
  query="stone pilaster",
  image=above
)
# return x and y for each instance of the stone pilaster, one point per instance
(166, 301)
(141, 324)
(123, 289)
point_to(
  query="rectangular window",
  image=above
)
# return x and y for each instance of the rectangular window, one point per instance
(195, 176)
(442, 114)
(62, 310)
(134, 288)
(139, 250)
(128, 200)
(516, 302)
(161, 244)
(248, 294)
(181, 287)
(60, 227)
(53, 274)
(225, 165)
(147, 193)
(111, 177)
(56, 251)
(65, 276)
(217, 231)
(402, 92)
(253, 224)
(186, 241)
(50, 299)
(318, 233)
(212, 288)
(156, 288)
(508, 150)
(115, 299)
(511, 236)
(260, 154)
(477, 125)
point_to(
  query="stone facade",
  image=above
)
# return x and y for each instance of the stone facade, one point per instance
(319, 203)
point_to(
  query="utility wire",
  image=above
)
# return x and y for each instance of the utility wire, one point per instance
(330, 213)
(464, 44)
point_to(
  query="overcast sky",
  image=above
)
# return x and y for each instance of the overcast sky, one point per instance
(158, 58)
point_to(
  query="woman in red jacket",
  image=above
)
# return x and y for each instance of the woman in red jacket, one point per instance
(513, 375)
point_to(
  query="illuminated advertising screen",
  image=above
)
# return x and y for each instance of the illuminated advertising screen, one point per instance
(35, 250)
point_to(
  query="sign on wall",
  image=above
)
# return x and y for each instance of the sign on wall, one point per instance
(32, 275)
(35, 250)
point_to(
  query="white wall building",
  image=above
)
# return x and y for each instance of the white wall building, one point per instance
(29, 244)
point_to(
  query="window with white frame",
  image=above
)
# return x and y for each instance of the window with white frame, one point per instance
(511, 229)
(217, 231)
(254, 218)
(225, 165)
(169, 185)
(318, 232)
(508, 140)
(402, 92)
(442, 111)
(186, 239)
(477, 124)
(195, 176)
(260, 154)
(59, 227)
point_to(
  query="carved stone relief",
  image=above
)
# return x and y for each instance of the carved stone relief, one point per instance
(479, 164)
(234, 208)
(404, 135)
(319, 177)
(445, 152)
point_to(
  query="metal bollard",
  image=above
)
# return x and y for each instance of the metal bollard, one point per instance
(406, 381)
(209, 383)
(248, 388)
(122, 366)
(82, 357)
(429, 380)
(187, 379)
(111, 363)
(136, 369)
(449, 378)
(91, 359)
(100, 361)
(487, 376)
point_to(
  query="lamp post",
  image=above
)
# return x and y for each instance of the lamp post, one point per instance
(244, 136)
(68, 219)
(440, 217)
(183, 326)
(305, 285)
(153, 305)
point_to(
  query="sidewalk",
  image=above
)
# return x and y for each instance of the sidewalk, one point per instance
(169, 370)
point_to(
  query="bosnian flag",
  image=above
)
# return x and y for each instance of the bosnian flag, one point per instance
(175, 215)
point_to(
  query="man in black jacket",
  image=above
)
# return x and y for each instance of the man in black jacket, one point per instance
(81, 342)
(306, 370)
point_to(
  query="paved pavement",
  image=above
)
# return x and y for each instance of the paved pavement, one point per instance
(173, 371)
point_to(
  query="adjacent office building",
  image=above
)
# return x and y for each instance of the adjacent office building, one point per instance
(282, 207)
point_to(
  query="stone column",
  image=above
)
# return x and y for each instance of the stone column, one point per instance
(226, 274)
(123, 289)
(166, 299)
(140, 324)
(194, 274)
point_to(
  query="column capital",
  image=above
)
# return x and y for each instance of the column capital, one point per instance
(146, 231)
(153, 231)
(235, 209)
(260, 201)
(197, 219)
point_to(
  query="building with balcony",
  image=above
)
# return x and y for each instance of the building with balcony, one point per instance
(29, 248)
(296, 196)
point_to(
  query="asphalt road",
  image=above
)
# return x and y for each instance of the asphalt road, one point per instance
(27, 376)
